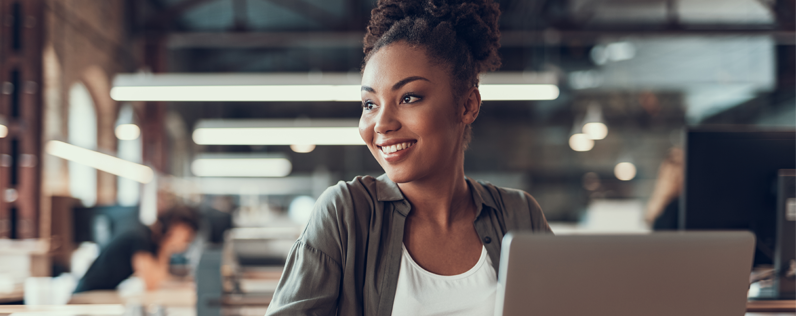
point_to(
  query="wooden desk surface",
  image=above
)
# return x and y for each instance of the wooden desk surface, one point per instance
(182, 303)
(93, 309)
(17, 295)
(172, 295)
(771, 306)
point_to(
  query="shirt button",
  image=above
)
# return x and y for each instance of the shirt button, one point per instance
(487, 240)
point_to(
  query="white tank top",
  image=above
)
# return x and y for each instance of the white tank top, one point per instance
(421, 292)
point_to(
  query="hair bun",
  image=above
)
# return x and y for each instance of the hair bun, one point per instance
(474, 23)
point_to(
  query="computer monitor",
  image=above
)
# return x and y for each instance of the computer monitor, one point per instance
(100, 224)
(731, 182)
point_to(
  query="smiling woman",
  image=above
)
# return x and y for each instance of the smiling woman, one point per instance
(422, 239)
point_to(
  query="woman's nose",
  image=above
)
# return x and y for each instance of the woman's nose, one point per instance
(386, 121)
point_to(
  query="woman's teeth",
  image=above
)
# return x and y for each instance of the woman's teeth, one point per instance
(397, 147)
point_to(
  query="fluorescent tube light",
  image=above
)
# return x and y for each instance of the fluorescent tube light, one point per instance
(308, 87)
(518, 92)
(100, 161)
(278, 136)
(241, 167)
(261, 93)
(300, 132)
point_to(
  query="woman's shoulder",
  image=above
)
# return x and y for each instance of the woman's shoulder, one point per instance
(502, 195)
(348, 194)
(345, 202)
(342, 210)
(517, 207)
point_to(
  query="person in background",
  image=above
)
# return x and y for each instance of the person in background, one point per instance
(663, 208)
(216, 218)
(422, 239)
(144, 251)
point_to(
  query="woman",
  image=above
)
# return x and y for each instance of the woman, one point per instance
(422, 238)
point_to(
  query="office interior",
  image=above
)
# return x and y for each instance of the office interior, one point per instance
(631, 117)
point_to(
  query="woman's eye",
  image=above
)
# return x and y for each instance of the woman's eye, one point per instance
(410, 99)
(368, 105)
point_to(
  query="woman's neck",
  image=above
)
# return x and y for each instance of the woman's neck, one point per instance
(441, 199)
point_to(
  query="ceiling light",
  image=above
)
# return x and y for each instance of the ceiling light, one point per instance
(241, 167)
(127, 131)
(3, 131)
(625, 171)
(593, 125)
(303, 149)
(100, 161)
(253, 93)
(278, 136)
(308, 87)
(595, 130)
(580, 142)
(300, 132)
(516, 92)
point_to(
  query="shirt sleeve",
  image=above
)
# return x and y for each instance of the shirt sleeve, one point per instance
(310, 283)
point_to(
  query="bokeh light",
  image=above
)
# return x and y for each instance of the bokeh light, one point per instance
(595, 130)
(303, 149)
(625, 171)
(581, 142)
(127, 131)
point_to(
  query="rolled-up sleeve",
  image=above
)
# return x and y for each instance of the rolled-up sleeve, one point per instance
(309, 285)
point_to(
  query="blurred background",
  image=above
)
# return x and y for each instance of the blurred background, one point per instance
(242, 109)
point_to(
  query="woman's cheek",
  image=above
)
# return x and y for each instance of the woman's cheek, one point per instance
(365, 130)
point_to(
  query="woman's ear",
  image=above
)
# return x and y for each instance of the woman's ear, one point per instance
(471, 106)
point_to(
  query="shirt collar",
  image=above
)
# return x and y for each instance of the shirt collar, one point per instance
(481, 196)
(387, 190)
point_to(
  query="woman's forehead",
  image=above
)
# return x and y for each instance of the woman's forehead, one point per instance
(397, 61)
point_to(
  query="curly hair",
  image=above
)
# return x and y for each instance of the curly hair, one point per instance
(179, 214)
(461, 35)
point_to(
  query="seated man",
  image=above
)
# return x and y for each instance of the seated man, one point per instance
(144, 252)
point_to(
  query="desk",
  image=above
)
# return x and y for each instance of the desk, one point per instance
(14, 296)
(763, 307)
(175, 306)
(170, 297)
(93, 309)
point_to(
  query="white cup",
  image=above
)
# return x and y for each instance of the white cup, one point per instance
(38, 291)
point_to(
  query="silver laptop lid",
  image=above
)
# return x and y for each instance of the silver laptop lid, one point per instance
(676, 273)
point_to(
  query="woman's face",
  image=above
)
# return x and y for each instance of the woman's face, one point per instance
(410, 121)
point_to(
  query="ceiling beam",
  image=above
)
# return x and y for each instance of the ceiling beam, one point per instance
(309, 10)
(508, 38)
(265, 40)
(167, 18)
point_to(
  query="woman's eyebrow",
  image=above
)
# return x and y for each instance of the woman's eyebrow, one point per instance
(406, 80)
(398, 84)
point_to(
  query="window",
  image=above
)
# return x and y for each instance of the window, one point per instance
(82, 131)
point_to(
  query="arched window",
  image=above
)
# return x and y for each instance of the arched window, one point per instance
(130, 149)
(82, 132)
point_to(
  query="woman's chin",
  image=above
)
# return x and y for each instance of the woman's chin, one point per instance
(399, 176)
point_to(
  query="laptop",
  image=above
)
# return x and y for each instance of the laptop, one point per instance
(673, 273)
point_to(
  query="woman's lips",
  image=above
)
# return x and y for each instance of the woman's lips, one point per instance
(396, 147)
(396, 151)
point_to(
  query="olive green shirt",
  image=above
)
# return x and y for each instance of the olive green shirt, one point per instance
(347, 260)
